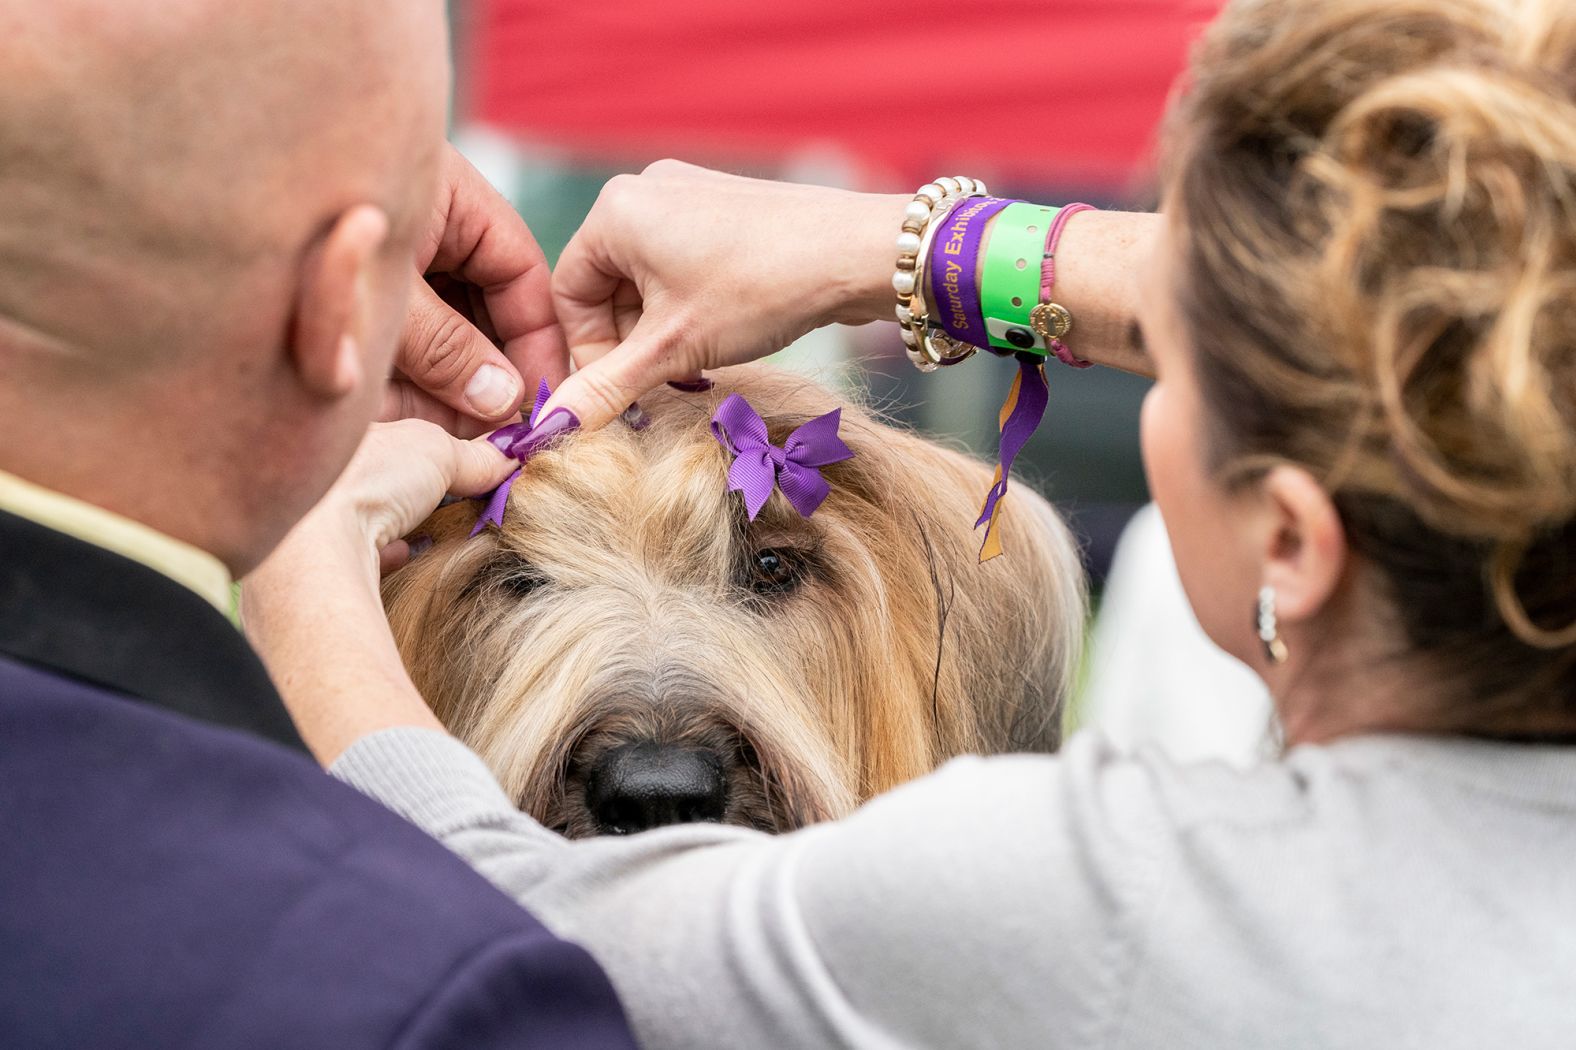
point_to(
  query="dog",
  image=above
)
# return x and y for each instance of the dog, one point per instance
(628, 650)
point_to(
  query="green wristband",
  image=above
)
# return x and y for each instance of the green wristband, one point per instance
(1010, 281)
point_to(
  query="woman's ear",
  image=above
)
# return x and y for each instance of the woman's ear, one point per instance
(1305, 548)
(329, 346)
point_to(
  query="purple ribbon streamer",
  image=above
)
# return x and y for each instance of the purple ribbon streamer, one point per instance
(759, 466)
(1027, 404)
(510, 441)
(954, 268)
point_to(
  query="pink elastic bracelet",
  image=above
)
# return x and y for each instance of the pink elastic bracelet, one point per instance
(1048, 280)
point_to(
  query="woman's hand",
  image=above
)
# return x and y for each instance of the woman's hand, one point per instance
(398, 476)
(313, 610)
(681, 268)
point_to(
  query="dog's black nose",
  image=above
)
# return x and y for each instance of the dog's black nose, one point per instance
(646, 785)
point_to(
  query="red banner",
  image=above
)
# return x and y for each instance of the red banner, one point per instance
(1048, 92)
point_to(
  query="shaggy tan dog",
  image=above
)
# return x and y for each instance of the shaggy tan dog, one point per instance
(628, 650)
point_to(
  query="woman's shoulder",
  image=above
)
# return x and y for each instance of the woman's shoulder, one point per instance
(1097, 884)
(1342, 788)
(1137, 788)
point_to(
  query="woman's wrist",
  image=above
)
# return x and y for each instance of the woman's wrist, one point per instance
(1096, 259)
(861, 245)
(1098, 253)
(314, 612)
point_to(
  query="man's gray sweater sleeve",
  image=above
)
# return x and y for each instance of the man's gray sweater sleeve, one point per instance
(920, 920)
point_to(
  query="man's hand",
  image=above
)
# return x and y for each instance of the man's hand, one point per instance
(480, 331)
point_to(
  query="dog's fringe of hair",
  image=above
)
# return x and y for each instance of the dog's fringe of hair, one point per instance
(899, 652)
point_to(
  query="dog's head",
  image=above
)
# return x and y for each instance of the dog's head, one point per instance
(628, 650)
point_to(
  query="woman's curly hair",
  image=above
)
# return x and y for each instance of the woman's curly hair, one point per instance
(1376, 202)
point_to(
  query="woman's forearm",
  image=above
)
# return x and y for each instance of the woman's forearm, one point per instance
(313, 610)
(839, 934)
(314, 615)
(731, 269)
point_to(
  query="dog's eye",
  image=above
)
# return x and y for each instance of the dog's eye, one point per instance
(519, 579)
(776, 570)
(505, 574)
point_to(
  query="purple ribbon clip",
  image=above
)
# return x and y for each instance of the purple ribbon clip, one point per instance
(520, 441)
(795, 467)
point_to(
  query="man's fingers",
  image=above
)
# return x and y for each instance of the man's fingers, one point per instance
(445, 355)
(484, 243)
(539, 354)
(393, 557)
(403, 399)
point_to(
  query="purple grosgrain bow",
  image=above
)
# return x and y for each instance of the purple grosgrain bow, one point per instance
(759, 465)
(515, 442)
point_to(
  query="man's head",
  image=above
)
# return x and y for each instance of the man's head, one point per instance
(208, 214)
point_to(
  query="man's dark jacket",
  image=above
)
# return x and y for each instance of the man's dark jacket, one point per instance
(175, 872)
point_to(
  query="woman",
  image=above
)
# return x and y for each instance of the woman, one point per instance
(1360, 309)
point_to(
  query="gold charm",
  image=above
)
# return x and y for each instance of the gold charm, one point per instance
(944, 349)
(1050, 320)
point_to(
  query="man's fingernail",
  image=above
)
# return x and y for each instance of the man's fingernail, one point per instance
(491, 391)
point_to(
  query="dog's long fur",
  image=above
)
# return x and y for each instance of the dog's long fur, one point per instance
(625, 599)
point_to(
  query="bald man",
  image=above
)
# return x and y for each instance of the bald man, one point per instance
(213, 215)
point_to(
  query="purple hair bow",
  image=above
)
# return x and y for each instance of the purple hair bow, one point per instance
(795, 467)
(514, 442)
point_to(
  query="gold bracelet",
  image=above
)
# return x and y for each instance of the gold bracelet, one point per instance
(927, 347)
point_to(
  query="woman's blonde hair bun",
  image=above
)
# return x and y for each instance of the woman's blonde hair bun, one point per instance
(1378, 200)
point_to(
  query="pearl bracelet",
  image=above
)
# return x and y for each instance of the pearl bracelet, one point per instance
(927, 348)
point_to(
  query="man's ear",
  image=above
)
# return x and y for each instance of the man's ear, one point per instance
(1305, 548)
(329, 345)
